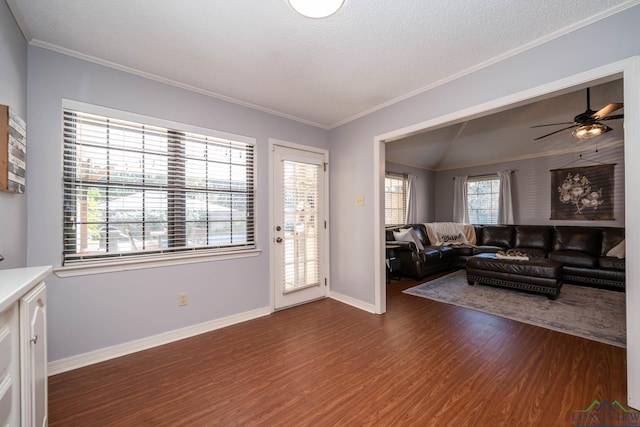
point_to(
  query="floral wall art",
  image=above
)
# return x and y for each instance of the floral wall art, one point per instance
(582, 193)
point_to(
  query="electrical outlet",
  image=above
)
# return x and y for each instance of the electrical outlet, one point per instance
(360, 201)
(182, 299)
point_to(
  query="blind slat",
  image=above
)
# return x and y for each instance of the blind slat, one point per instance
(133, 190)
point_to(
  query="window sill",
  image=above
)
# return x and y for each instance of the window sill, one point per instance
(137, 264)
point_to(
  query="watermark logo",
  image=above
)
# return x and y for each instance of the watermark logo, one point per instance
(611, 414)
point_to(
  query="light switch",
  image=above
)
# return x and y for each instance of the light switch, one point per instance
(360, 201)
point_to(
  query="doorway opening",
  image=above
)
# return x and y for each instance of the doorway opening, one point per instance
(629, 70)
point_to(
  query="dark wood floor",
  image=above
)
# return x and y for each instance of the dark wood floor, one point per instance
(325, 363)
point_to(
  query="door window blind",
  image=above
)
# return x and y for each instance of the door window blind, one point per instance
(135, 190)
(300, 183)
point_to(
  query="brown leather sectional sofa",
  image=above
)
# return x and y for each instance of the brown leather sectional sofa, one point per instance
(582, 251)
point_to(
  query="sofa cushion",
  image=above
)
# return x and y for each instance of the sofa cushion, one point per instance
(501, 236)
(430, 253)
(611, 237)
(611, 263)
(534, 236)
(580, 239)
(462, 250)
(447, 251)
(575, 259)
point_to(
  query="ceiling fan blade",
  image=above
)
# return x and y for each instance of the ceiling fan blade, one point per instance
(606, 110)
(549, 134)
(553, 124)
(617, 116)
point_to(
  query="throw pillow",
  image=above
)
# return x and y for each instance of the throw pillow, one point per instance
(452, 239)
(408, 235)
(618, 250)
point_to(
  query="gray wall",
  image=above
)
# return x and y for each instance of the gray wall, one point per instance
(425, 189)
(353, 170)
(13, 92)
(92, 312)
(531, 186)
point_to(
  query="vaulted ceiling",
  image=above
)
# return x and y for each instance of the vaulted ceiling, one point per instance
(262, 54)
(508, 135)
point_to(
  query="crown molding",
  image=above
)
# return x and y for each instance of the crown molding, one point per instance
(154, 77)
(492, 61)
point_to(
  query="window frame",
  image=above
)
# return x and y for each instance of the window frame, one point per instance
(484, 178)
(405, 190)
(135, 260)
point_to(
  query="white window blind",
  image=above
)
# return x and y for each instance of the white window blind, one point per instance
(395, 199)
(300, 183)
(483, 195)
(135, 190)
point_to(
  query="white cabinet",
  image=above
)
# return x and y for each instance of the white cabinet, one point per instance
(23, 347)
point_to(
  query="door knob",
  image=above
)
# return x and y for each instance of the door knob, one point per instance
(278, 239)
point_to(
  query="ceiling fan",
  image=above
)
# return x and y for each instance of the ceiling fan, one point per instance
(588, 123)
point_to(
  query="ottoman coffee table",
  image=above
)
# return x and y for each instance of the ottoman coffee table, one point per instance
(539, 275)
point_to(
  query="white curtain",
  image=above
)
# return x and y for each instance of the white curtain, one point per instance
(412, 200)
(505, 203)
(460, 212)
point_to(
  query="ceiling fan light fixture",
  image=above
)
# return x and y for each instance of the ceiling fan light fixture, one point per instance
(316, 8)
(589, 131)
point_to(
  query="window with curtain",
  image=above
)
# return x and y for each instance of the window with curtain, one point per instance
(133, 190)
(483, 194)
(395, 199)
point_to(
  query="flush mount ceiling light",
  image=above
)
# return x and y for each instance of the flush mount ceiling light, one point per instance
(316, 8)
(590, 130)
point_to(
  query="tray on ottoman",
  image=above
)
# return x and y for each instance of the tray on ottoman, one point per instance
(540, 275)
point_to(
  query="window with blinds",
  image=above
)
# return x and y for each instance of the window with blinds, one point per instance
(483, 196)
(395, 199)
(135, 190)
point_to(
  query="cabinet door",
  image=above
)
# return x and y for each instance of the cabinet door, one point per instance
(33, 357)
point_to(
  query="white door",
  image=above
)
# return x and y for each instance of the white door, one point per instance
(299, 225)
(33, 357)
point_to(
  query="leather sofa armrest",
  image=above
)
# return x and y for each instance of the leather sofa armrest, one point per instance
(403, 246)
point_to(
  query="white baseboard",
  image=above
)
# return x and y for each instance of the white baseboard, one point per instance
(97, 356)
(353, 302)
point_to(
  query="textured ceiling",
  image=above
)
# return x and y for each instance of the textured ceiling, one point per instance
(322, 72)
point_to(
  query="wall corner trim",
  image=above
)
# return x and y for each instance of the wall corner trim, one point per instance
(353, 302)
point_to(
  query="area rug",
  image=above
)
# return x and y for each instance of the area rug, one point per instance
(590, 313)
